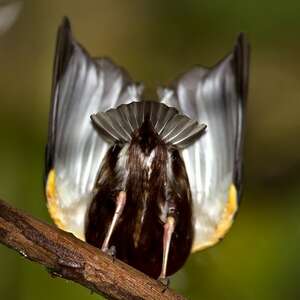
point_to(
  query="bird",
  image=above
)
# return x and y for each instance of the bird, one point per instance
(149, 181)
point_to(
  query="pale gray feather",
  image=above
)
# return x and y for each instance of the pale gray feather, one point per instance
(217, 98)
(82, 86)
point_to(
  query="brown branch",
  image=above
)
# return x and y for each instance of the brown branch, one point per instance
(67, 257)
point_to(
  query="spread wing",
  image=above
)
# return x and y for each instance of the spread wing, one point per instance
(217, 98)
(82, 86)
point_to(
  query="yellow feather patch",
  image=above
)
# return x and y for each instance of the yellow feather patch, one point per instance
(52, 200)
(225, 222)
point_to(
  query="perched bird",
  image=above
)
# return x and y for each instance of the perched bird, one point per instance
(147, 181)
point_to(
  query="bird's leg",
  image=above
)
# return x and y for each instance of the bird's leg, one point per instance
(168, 231)
(120, 204)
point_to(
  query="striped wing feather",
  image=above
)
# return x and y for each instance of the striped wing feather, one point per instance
(81, 86)
(216, 97)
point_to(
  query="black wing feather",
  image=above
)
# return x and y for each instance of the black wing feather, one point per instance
(63, 53)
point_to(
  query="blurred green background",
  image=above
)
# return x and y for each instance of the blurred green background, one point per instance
(155, 41)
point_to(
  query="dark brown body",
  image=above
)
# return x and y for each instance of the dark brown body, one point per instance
(156, 186)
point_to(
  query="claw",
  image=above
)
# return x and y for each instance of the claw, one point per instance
(112, 251)
(165, 281)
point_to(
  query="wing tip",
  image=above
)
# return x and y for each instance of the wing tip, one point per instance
(63, 52)
(65, 23)
(241, 58)
(64, 30)
(64, 48)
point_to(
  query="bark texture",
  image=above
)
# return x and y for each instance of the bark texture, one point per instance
(67, 257)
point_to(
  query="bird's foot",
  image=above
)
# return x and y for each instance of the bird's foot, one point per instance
(111, 251)
(165, 282)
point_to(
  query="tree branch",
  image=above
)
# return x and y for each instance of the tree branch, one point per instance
(66, 256)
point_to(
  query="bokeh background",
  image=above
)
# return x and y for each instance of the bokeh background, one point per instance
(156, 40)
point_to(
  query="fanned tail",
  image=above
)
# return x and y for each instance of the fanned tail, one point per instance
(118, 125)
